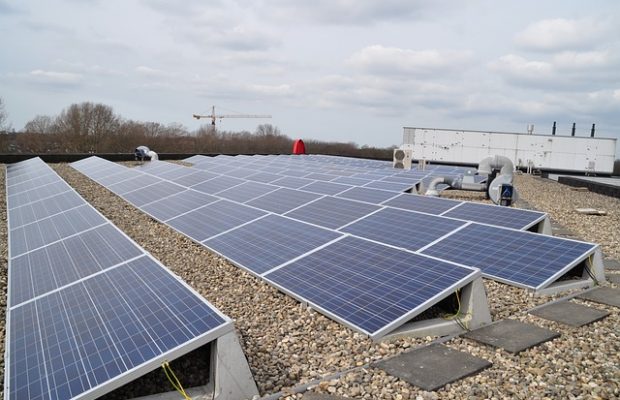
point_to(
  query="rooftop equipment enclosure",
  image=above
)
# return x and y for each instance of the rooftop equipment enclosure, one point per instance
(543, 152)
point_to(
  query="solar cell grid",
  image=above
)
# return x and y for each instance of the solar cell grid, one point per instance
(239, 172)
(33, 183)
(283, 200)
(44, 208)
(40, 193)
(176, 173)
(118, 177)
(426, 204)
(393, 186)
(405, 229)
(213, 219)
(269, 242)
(522, 258)
(496, 215)
(152, 193)
(132, 184)
(374, 196)
(194, 178)
(292, 182)
(177, 204)
(246, 191)
(263, 177)
(368, 286)
(218, 184)
(317, 176)
(328, 188)
(331, 212)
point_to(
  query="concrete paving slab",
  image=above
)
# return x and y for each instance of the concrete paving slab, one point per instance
(512, 336)
(432, 367)
(611, 264)
(613, 278)
(571, 314)
(603, 295)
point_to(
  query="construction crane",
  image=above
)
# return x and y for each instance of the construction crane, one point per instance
(214, 116)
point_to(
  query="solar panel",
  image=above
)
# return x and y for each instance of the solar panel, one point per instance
(88, 309)
(292, 182)
(132, 184)
(426, 204)
(331, 212)
(218, 184)
(33, 183)
(283, 200)
(152, 193)
(117, 177)
(44, 208)
(263, 177)
(393, 186)
(176, 173)
(374, 196)
(405, 229)
(521, 258)
(268, 242)
(320, 177)
(48, 230)
(97, 330)
(496, 215)
(247, 191)
(40, 193)
(347, 180)
(240, 172)
(62, 263)
(215, 218)
(368, 286)
(194, 178)
(177, 204)
(325, 188)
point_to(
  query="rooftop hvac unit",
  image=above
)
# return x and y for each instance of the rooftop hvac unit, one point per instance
(402, 158)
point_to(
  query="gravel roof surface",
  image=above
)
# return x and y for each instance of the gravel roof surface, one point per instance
(288, 345)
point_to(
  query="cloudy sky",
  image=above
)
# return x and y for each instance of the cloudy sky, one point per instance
(326, 69)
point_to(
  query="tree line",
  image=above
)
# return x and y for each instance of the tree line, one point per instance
(95, 128)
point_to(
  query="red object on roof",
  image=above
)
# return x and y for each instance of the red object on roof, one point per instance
(299, 147)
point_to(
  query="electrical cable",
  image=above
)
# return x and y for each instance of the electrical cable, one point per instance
(174, 381)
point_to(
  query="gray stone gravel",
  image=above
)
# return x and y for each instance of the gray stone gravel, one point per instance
(287, 344)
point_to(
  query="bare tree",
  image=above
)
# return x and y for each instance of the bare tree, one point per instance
(3, 116)
(42, 124)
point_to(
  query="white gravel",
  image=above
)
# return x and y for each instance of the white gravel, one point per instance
(287, 344)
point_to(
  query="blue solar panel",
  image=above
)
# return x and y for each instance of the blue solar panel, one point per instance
(325, 188)
(247, 191)
(40, 193)
(522, 258)
(370, 287)
(152, 193)
(195, 178)
(496, 215)
(394, 186)
(213, 219)
(352, 181)
(283, 200)
(218, 184)
(91, 332)
(67, 261)
(46, 231)
(177, 204)
(317, 176)
(292, 182)
(264, 177)
(374, 196)
(406, 229)
(44, 208)
(332, 212)
(426, 204)
(132, 184)
(268, 242)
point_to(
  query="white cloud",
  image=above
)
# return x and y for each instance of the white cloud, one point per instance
(561, 34)
(151, 72)
(378, 59)
(55, 77)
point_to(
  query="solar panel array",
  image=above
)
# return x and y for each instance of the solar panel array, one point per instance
(262, 231)
(88, 309)
(264, 228)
